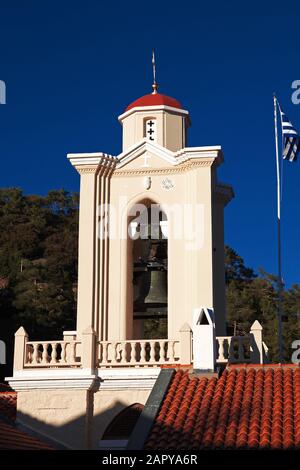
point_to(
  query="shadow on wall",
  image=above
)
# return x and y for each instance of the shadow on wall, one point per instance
(86, 431)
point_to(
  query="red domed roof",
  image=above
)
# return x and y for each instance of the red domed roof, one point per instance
(155, 100)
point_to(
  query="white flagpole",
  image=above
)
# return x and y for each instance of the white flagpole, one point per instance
(279, 280)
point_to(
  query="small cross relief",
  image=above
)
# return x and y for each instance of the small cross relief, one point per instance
(146, 159)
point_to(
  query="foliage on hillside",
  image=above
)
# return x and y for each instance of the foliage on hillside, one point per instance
(253, 297)
(38, 274)
(38, 261)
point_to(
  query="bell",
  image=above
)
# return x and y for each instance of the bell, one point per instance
(150, 287)
(157, 292)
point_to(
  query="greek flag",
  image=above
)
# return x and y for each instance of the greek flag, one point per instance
(291, 139)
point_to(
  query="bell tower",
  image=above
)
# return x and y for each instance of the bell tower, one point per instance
(156, 169)
(151, 280)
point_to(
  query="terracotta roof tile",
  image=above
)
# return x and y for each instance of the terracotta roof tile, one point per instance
(8, 404)
(12, 438)
(248, 407)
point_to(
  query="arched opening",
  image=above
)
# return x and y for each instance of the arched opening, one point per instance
(118, 432)
(150, 273)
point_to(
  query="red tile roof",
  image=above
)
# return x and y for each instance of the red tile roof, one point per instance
(155, 100)
(12, 438)
(8, 405)
(247, 408)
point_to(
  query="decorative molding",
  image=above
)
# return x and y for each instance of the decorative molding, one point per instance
(142, 147)
(142, 378)
(163, 170)
(80, 379)
(124, 379)
(167, 184)
(91, 162)
(152, 108)
(82, 170)
(172, 158)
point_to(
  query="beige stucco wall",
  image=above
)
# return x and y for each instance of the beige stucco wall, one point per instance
(59, 414)
(195, 273)
(171, 127)
(74, 418)
(86, 251)
(190, 271)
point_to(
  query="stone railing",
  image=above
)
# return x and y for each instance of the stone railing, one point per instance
(89, 353)
(138, 353)
(235, 349)
(68, 352)
(52, 353)
(242, 349)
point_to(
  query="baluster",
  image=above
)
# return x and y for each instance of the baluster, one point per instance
(221, 342)
(35, 353)
(171, 351)
(123, 352)
(29, 353)
(45, 357)
(133, 352)
(152, 351)
(143, 351)
(161, 352)
(110, 352)
(54, 353)
(63, 353)
(72, 346)
(115, 352)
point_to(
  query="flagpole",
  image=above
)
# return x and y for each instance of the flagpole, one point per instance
(279, 279)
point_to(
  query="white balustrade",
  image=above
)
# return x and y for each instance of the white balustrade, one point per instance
(233, 349)
(51, 354)
(135, 353)
(138, 353)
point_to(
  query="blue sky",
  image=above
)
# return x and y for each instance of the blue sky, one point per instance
(72, 67)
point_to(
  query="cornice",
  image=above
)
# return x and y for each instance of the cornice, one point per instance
(50, 379)
(159, 107)
(170, 170)
(84, 379)
(142, 378)
(91, 162)
(82, 170)
(179, 162)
